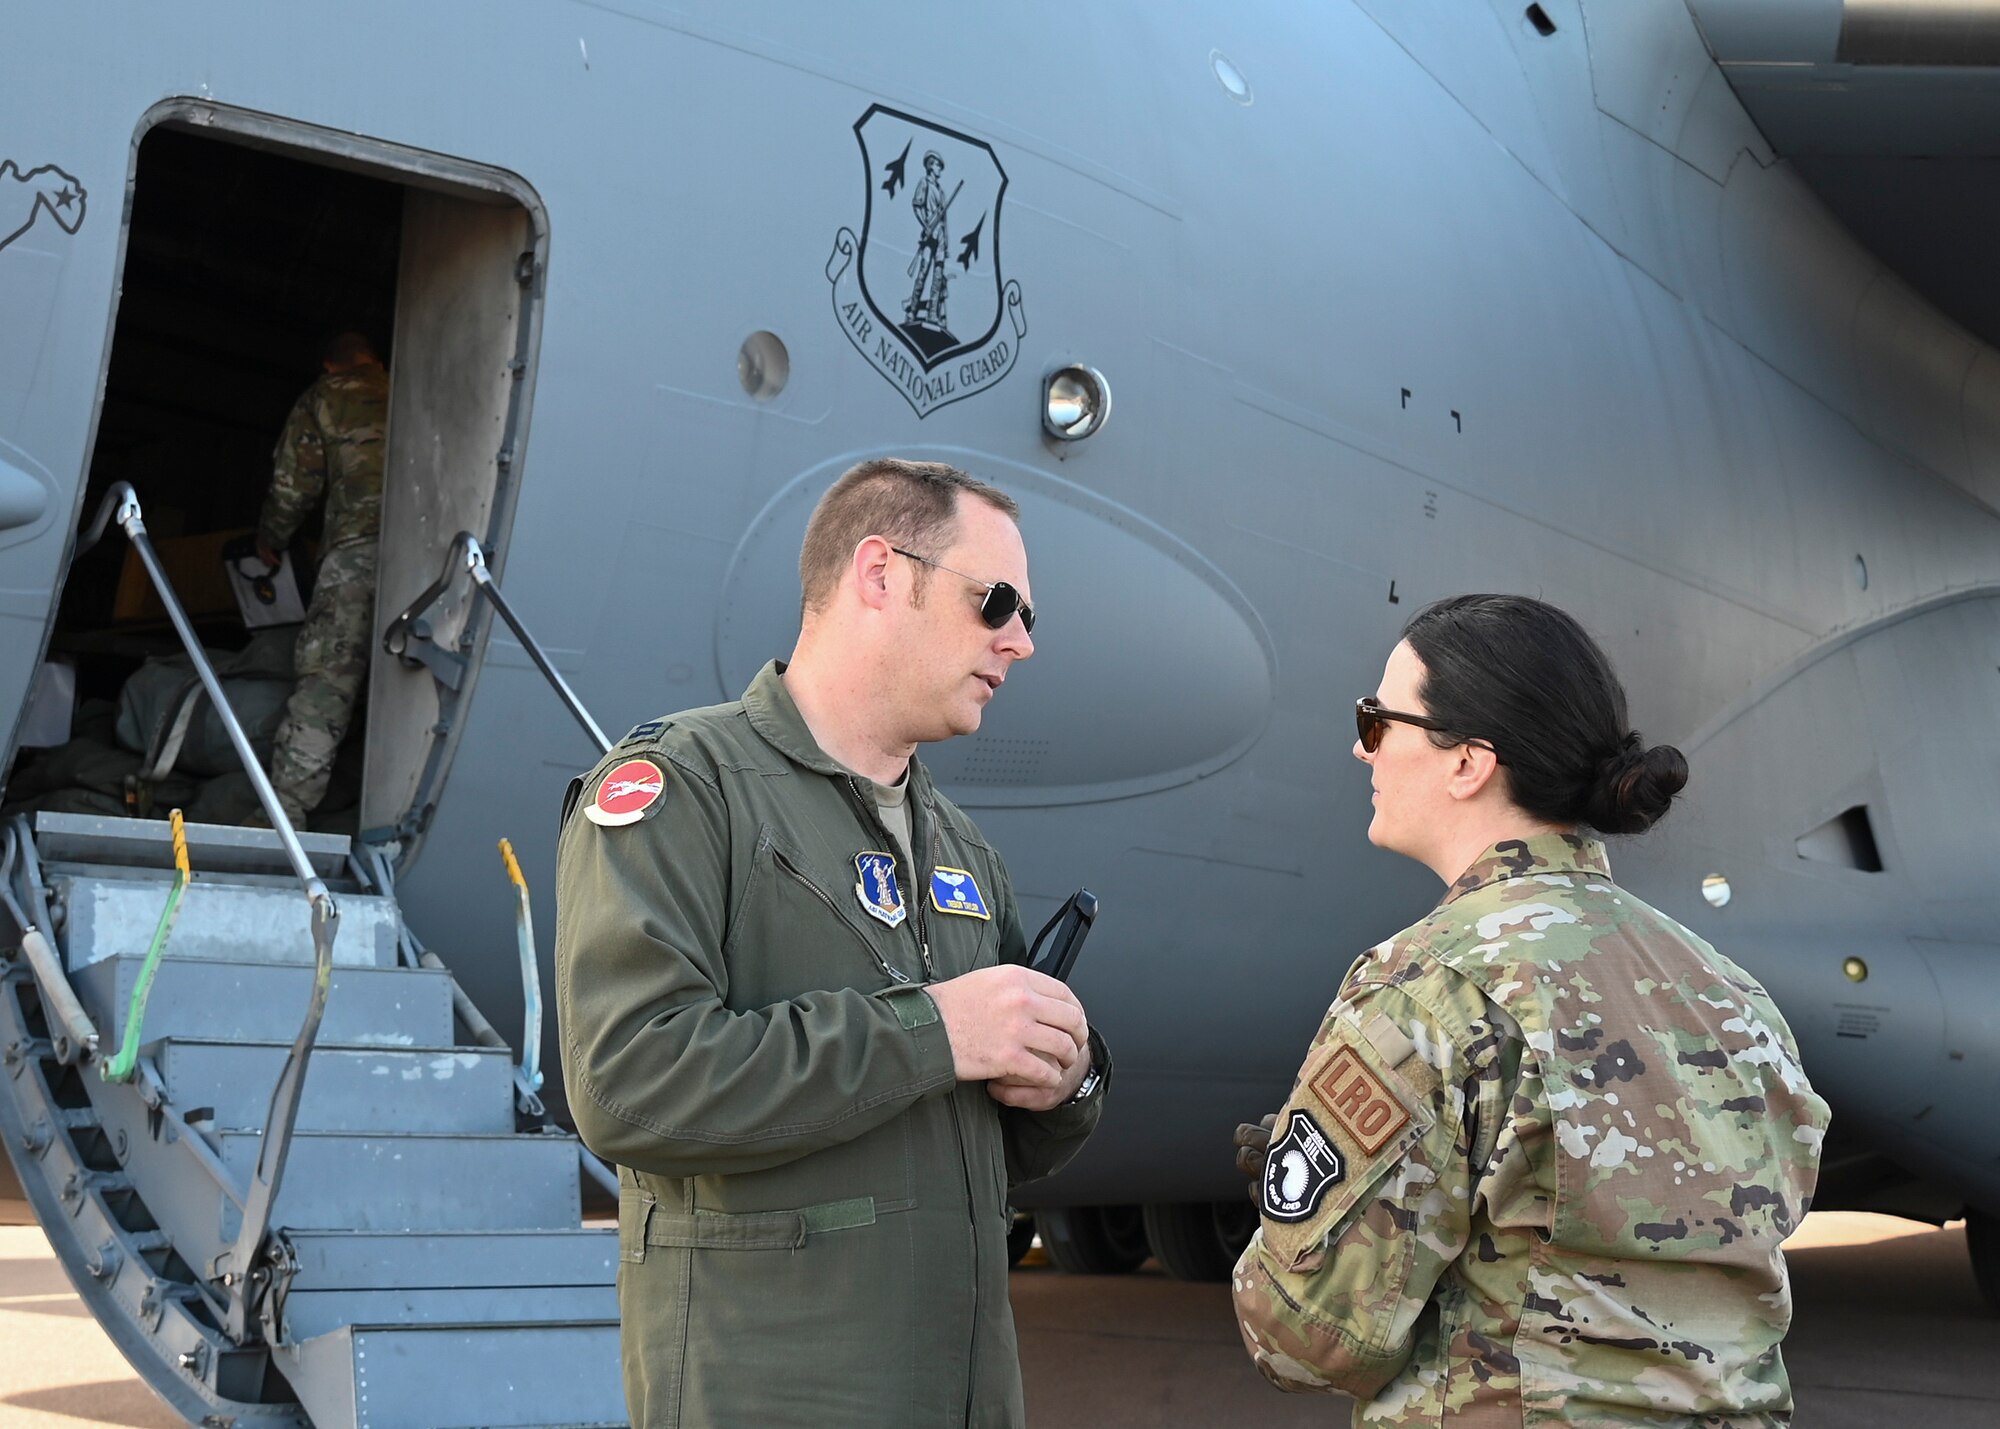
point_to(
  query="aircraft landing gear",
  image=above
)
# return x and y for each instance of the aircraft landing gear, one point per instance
(1020, 1236)
(1200, 1240)
(1093, 1240)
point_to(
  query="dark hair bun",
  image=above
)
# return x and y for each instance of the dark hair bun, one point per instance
(1635, 786)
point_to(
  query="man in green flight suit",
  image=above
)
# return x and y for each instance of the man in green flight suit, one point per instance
(332, 449)
(793, 1003)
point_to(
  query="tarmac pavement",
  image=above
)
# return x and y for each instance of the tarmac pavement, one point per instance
(1890, 1328)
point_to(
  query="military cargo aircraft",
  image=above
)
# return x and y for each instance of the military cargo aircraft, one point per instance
(1675, 313)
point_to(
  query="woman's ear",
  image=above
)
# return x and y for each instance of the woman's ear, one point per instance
(1474, 770)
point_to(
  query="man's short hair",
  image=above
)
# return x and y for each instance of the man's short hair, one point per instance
(912, 504)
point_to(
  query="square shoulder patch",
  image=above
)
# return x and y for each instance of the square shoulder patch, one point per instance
(1356, 1098)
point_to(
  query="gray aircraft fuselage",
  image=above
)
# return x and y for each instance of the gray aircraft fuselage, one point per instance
(1395, 303)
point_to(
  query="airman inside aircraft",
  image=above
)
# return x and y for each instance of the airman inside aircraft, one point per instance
(1547, 1143)
(331, 451)
(793, 1006)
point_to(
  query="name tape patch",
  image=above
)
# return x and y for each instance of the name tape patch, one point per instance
(626, 794)
(953, 890)
(1357, 1100)
(1299, 1169)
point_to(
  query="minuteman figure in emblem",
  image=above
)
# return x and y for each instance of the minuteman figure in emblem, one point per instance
(932, 209)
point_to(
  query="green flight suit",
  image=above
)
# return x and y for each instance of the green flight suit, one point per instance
(813, 1220)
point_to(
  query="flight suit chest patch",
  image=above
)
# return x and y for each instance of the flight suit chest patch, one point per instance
(954, 890)
(877, 893)
(633, 790)
(1356, 1098)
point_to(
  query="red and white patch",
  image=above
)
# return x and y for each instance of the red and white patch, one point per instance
(626, 793)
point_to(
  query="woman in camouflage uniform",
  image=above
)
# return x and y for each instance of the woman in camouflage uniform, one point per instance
(1539, 1161)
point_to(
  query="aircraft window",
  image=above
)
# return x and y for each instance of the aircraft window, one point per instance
(1861, 572)
(1539, 18)
(1847, 840)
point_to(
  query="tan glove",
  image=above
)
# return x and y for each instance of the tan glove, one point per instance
(1253, 1140)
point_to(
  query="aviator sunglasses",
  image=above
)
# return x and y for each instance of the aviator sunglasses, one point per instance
(1372, 721)
(1002, 600)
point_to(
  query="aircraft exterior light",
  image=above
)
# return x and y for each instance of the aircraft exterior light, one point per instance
(1076, 403)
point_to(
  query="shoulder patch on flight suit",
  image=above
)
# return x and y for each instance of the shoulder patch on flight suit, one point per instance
(631, 791)
(954, 890)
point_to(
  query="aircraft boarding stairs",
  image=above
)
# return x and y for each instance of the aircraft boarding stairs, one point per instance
(365, 1221)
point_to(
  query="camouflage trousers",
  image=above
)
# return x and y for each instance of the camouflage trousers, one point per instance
(332, 662)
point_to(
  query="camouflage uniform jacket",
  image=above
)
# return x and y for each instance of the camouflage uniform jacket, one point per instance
(331, 447)
(813, 1216)
(1536, 1169)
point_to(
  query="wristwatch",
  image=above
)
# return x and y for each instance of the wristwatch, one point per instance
(1088, 1085)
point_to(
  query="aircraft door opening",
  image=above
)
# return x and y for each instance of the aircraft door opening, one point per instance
(250, 242)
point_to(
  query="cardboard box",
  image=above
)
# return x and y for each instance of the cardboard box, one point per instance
(195, 568)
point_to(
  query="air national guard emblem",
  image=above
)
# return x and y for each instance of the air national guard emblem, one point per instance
(919, 292)
(880, 898)
(953, 890)
(627, 794)
(1299, 1170)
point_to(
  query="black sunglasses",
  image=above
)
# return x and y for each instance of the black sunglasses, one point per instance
(1372, 721)
(1002, 600)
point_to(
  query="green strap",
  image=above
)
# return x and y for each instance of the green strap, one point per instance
(121, 1067)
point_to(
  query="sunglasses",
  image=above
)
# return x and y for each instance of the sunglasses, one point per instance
(1002, 601)
(1372, 721)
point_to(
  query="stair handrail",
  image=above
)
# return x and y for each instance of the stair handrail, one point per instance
(466, 555)
(241, 1269)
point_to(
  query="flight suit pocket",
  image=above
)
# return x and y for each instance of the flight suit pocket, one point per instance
(1350, 1122)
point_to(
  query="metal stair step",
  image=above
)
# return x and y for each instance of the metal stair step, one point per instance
(417, 1089)
(455, 1277)
(233, 922)
(309, 1313)
(265, 1002)
(424, 1182)
(451, 1376)
(148, 843)
(351, 1260)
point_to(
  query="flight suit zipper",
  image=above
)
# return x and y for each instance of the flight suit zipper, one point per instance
(957, 1124)
(920, 878)
(871, 818)
(881, 962)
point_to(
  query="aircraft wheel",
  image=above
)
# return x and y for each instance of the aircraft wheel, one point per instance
(1020, 1236)
(1093, 1240)
(1982, 1240)
(1200, 1240)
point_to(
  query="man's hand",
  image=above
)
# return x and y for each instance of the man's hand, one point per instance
(265, 554)
(1027, 1097)
(1253, 1141)
(1019, 1029)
